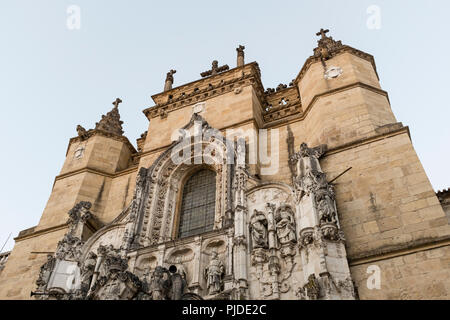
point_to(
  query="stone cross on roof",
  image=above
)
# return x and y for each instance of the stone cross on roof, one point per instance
(169, 80)
(116, 102)
(111, 122)
(327, 46)
(323, 33)
(215, 69)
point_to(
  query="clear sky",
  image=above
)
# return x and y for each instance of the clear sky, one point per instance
(53, 78)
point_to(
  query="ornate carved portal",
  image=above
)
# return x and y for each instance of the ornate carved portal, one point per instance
(269, 241)
(157, 192)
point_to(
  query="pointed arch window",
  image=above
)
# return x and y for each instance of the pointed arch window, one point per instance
(198, 204)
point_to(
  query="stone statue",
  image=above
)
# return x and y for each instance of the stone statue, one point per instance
(169, 80)
(309, 175)
(312, 288)
(87, 271)
(214, 273)
(326, 205)
(311, 180)
(78, 216)
(258, 230)
(178, 283)
(285, 225)
(82, 133)
(159, 283)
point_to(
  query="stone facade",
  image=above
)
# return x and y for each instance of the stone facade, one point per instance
(348, 196)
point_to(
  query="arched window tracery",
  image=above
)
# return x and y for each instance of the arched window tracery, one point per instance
(198, 204)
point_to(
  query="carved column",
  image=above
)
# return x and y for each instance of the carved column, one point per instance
(167, 215)
(274, 263)
(240, 234)
(240, 247)
(230, 235)
(321, 241)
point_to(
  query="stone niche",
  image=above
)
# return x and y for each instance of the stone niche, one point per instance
(273, 260)
(192, 259)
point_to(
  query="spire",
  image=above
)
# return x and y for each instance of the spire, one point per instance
(111, 122)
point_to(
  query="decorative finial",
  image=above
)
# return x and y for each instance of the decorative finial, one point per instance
(111, 122)
(169, 80)
(116, 102)
(327, 46)
(240, 55)
(82, 133)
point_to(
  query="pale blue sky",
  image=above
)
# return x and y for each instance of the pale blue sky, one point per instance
(52, 78)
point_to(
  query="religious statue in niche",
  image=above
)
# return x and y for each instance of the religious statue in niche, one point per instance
(285, 225)
(178, 283)
(140, 183)
(159, 283)
(311, 289)
(326, 205)
(214, 273)
(167, 284)
(87, 271)
(311, 180)
(258, 230)
(309, 174)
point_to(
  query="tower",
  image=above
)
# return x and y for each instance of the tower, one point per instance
(93, 159)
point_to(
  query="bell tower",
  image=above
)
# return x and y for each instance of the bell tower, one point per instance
(339, 88)
(93, 159)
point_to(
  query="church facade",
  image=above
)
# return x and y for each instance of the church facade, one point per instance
(309, 191)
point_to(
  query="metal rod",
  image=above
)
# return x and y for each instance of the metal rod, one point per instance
(38, 294)
(5, 242)
(340, 175)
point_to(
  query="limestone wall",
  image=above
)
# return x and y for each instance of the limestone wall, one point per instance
(390, 215)
(423, 274)
(18, 278)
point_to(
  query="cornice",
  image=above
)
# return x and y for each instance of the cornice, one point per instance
(92, 132)
(180, 242)
(164, 147)
(361, 142)
(40, 232)
(394, 251)
(95, 171)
